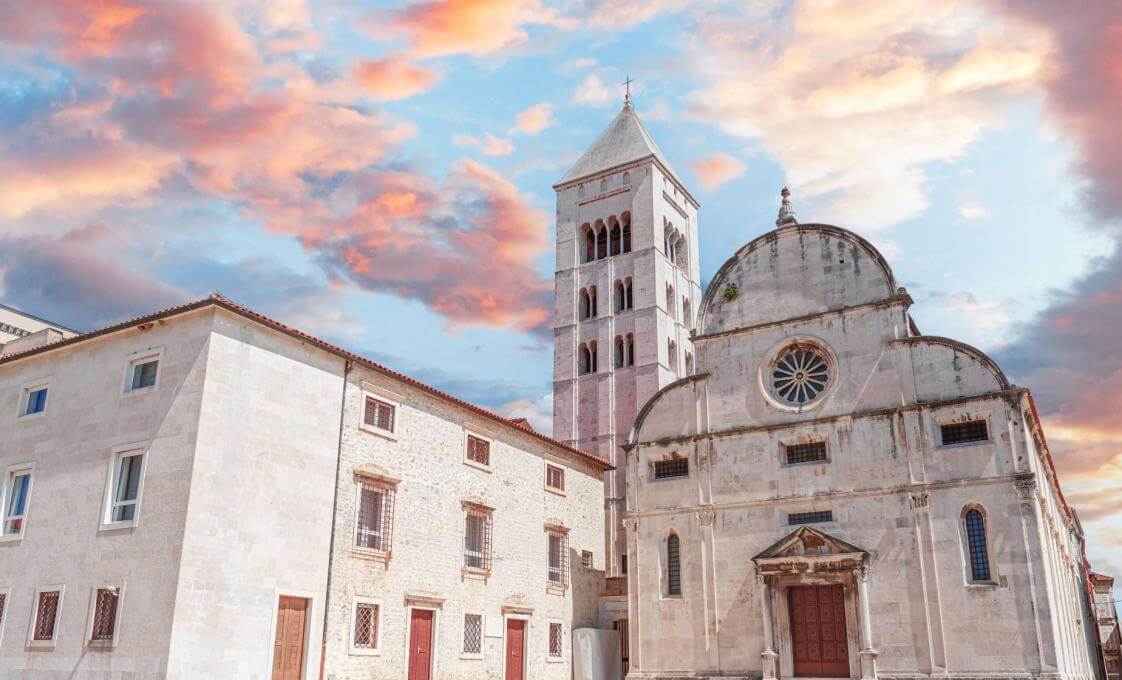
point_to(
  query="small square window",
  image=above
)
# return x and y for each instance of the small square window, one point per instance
(379, 414)
(34, 400)
(962, 433)
(105, 610)
(586, 559)
(555, 477)
(479, 450)
(556, 640)
(143, 374)
(810, 452)
(365, 626)
(125, 479)
(16, 495)
(674, 467)
(473, 633)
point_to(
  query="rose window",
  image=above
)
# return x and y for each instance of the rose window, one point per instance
(800, 375)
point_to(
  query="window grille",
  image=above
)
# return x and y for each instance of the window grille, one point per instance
(45, 614)
(810, 517)
(105, 615)
(479, 450)
(805, 453)
(976, 539)
(556, 642)
(554, 477)
(144, 374)
(379, 414)
(477, 537)
(126, 487)
(375, 517)
(473, 633)
(366, 626)
(558, 557)
(586, 559)
(19, 485)
(960, 433)
(3, 604)
(673, 565)
(675, 467)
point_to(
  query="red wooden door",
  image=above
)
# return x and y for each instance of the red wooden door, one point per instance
(515, 648)
(420, 644)
(818, 632)
(288, 645)
(621, 626)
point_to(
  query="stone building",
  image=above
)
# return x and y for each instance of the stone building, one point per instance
(1106, 616)
(834, 494)
(20, 331)
(208, 493)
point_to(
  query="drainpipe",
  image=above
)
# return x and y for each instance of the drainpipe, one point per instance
(334, 510)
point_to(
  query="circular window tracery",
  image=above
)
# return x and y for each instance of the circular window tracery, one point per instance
(799, 375)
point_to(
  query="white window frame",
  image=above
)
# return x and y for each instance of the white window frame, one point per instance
(545, 478)
(136, 359)
(112, 642)
(386, 487)
(6, 489)
(482, 635)
(372, 391)
(25, 398)
(6, 594)
(549, 658)
(363, 651)
(479, 433)
(32, 643)
(116, 454)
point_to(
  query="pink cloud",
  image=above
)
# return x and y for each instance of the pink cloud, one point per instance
(716, 169)
(534, 119)
(393, 78)
(442, 27)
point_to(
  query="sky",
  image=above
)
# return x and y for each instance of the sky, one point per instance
(380, 174)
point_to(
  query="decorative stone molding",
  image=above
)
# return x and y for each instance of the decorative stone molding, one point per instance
(918, 501)
(706, 517)
(631, 524)
(1026, 489)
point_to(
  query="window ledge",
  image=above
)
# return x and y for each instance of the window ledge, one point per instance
(963, 445)
(355, 651)
(477, 465)
(370, 554)
(377, 431)
(473, 572)
(555, 659)
(672, 598)
(107, 645)
(42, 644)
(982, 584)
(30, 416)
(116, 526)
(559, 492)
(137, 392)
(805, 463)
(470, 656)
(660, 480)
(556, 589)
(12, 538)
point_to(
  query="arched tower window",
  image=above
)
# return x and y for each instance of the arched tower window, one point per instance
(585, 304)
(580, 191)
(585, 359)
(672, 355)
(603, 185)
(589, 244)
(687, 317)
(615, 237)
(592, 355)
(592, 307)
(673, 565)
(627, 293)
(976, 543)
(619, 296)
(689, 363)
(626, 218)
(670, 302)
(630, 349)
(621, 358)
(601, 241)
(679, 250)
(626, 179)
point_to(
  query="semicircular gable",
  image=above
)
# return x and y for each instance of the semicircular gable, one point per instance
(667, 413)
(947, 369)
(791, 272)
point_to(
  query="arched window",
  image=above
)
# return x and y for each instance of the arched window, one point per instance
(670, 301)
(619, 296)
(615, 238)
(672, 355)
(592, 355)
(585, 304)
(673, 565)
(621, 359)
(689, 363)
(580, 191)
(626, 232)
(601, 241)
(630, 349)
(592, 310)
(679, 250)
(627, 292)
(976, 542)
(687, 318)
(585, 359)
(603, 185)
(589, 244)
(626, 179)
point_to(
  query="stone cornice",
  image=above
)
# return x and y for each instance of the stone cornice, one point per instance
(900, 299)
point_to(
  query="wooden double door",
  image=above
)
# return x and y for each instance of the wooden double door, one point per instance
(819, 640)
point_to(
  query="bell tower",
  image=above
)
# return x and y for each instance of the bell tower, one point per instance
(627, 291)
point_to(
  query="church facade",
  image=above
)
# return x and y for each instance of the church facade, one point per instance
(816, 489)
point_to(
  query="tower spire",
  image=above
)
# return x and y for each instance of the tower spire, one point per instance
(627, 92)
(786, 210)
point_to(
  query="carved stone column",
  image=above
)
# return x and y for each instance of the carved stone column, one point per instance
(868, 654)
(769, 656)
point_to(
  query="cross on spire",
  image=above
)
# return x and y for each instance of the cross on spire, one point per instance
(627, 91)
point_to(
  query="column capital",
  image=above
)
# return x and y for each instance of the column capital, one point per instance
(631, 524)
(918, 501)
(1026, 488)
(706, 517)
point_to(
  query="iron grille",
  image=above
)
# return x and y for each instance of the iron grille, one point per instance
(105, 615)
(479, 450)
(45, 614)
(379, 414)
(473, 633)
(810, 517)
(960, 433)
(558, 558)
(555, 477)
(477, 538)
(586, 559)
(805, 453)
(3, 602)
(673, 565)
(366, 626)
(555, 640)
(675, 467)
(976, 538)
(375, 517)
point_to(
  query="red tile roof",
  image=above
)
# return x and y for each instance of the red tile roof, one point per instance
(218, 300)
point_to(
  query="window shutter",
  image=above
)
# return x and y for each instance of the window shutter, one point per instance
(45, 613)
(105, 615)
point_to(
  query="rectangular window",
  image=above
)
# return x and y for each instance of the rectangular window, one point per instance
(478, 450)
(555, 477)
(46, 615)
(810, 517)
(675, 467)
(379, 414)
(34, 401)
(473, 633)
(556, 642)
(811, 452)
(477, 537)
(586, 559)
(128, 467)
(105, 615)
(3, 609)
(365, 625)
(375, 516)
(16, 496)
(961, 433)
(143, 374)
(558, 557)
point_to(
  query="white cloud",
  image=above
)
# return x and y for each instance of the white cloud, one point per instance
(538, 411)
(594, 92)
(974, 211)
(490, 145)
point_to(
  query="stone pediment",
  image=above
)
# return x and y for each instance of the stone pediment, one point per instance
(806, 549)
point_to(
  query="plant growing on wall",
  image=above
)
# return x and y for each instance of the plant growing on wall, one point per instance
(731, 292)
